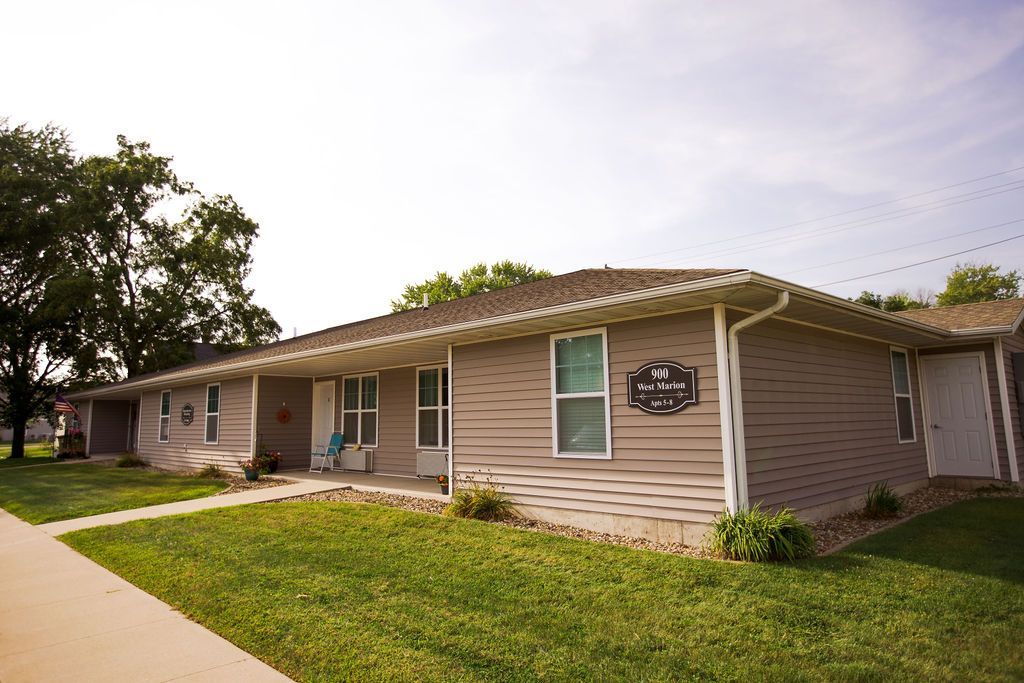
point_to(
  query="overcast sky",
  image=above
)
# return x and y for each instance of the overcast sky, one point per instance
(379, 142)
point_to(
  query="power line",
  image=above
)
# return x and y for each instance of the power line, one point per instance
(859, 223)
(920, 263)
(835, 215)
(908, 246)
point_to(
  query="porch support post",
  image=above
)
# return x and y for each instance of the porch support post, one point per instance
(451, 423)
(88, 427)
(255, 405)
(138, 433)
(929, 448)
(1004, 402)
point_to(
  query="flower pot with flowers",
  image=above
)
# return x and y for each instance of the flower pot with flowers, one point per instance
(270, 461)
(442, 481)
(252, 468)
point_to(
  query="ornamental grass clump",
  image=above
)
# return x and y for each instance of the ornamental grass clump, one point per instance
(211, 471)
(481, 501)
(882, 501)
(756, 535)
(129, 460)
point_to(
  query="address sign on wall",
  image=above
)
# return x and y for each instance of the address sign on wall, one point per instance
(662, 387)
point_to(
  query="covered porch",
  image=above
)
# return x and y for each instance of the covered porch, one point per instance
(368, 481)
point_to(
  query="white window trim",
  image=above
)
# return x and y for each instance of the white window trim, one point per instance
(360, 410)
(606, 395)
(439, 408)
(909, 395)
(206, 422)
(162, 417)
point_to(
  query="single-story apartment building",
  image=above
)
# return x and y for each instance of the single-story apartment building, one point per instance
(633, 401)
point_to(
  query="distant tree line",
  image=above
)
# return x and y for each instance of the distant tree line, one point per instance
(966, 284)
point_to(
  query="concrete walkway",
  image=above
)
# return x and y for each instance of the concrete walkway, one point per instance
(228, 500)
(65, 618)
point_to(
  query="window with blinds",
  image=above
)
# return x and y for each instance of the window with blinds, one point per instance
(212, 413)
(905, 430)
(164, 433)
(580, 395)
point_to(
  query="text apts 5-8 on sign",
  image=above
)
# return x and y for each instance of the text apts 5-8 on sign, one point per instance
(662, 387)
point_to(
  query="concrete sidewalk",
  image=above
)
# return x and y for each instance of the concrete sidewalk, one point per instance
(65, 618)
(228, 500)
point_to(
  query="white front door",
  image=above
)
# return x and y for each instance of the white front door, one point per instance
(323, 413)
(959, 415)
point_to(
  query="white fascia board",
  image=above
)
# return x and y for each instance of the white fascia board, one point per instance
(851, 306)
(728, 280)
(731, 279)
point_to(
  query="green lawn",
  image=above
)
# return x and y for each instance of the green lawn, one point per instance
(338, 591)
(35, 454)
(49, 494)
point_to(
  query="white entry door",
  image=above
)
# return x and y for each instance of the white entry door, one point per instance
(323, 412)
(959, 415)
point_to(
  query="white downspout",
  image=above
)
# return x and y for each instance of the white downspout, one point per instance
(451, 422)
(736, 394)
(725, 406)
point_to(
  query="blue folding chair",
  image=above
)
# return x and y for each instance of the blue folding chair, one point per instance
(332, 451)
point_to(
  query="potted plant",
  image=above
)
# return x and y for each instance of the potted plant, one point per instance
(442, 481)
(270, 461)
(252, 468)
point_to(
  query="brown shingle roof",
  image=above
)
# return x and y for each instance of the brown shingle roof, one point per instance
(969, 316)
(580, 285)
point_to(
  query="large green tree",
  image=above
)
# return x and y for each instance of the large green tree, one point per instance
(168, 265)
(474, 280)
(971, 283)
(41, 293)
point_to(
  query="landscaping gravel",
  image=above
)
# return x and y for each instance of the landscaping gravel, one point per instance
(436, 507)
(239, 484)
(837, 532)
(830, 534)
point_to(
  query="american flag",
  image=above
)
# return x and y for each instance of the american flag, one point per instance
(61, 405)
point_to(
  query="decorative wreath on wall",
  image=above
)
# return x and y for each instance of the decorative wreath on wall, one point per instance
(284, 416)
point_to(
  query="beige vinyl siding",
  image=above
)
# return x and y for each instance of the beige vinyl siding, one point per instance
(662, 466)
(293, 438)
(396, 419)
(1014, 344)
(109, 427)
(185, 448)
(995, 405)
(819, 415)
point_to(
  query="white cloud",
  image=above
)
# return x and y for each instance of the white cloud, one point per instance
(377, 143)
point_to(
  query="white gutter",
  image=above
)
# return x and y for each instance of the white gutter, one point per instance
(730, 279)
(736, 394)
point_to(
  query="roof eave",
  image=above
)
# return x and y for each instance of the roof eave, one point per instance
(729, 279)
(852, 306)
